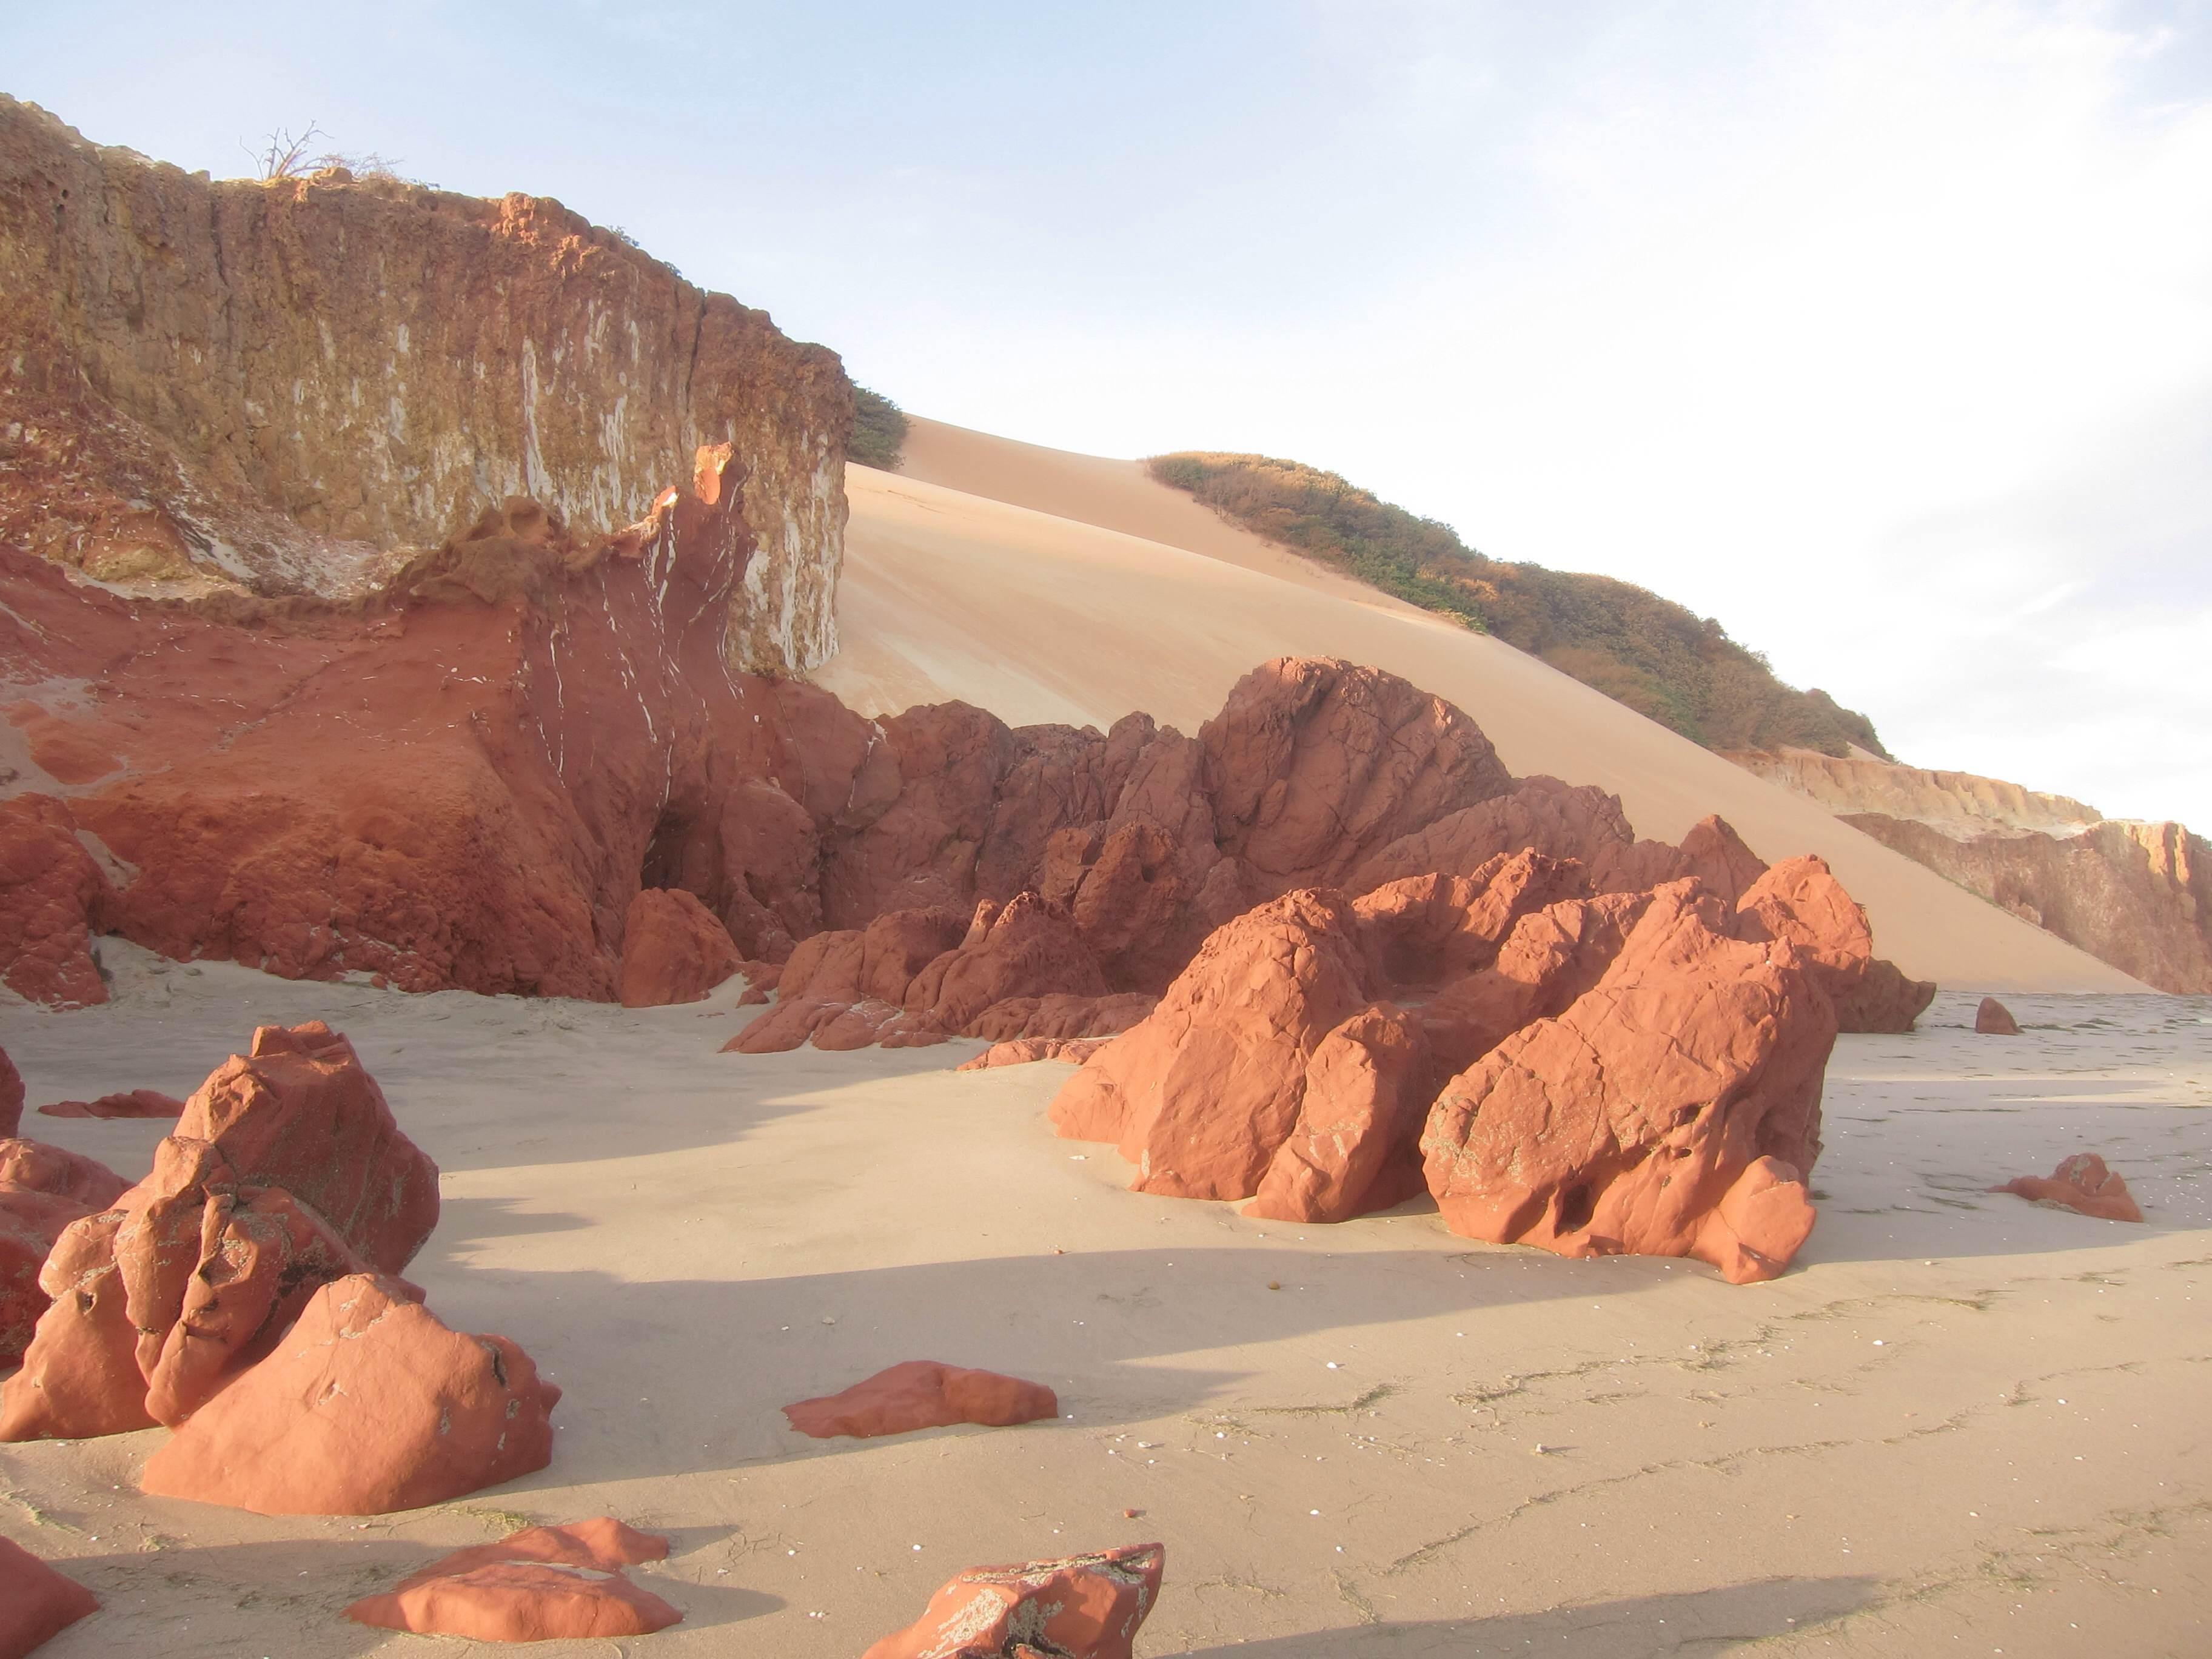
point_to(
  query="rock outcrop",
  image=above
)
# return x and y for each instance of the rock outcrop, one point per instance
(2138, 895)
(2079, 1182)
(1082, 1607)
(283, 386)
(286, 1171)
(1993, 1019)
(1672, 1110)
(1800, 903)
(1027, 1051)
(674, 949)
(541, 1585)
(921, 1394)
(367, 1406)
(11, 1096)
(133, 1103)
(43, 1191)
(36, 1602)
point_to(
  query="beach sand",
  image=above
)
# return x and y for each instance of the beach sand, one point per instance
(1963, 1424)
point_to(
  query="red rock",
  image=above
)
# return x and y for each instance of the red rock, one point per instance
(1368, 1087)
(31, 1165)
(1550, 959)
(674, 949)
(1027, 947)
(51, 890)
(1671, 1110)
(1318, 763)
(137, 1102)
(1538, 814)
(1025, 1051)
(1799, 900)
(43, 1190)
(543, 1583)
(2079, 1182)
(300, 1112)
(1993, 1019)
(80, 1377)
(1082, 1607)
(11, 1096)
(367, 1406)
(878, 961)
(36, 1602)
(261, 1255)
(1201, 1093)
(1426, 930)
(921, 1394)
(1062, 1016)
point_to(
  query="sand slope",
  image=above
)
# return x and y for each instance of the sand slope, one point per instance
(948, 592)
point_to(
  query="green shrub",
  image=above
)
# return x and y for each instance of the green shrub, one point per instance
(1647, 653)
(878, 430)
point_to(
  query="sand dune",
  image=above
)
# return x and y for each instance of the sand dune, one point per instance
(1131, 596)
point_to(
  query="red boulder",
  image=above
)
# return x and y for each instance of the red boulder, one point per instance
(36, 1602)
(137, 1102)
(541, 1585)
(1993, 1019)
(11, 1096)
(1025, 1051)
(43, 1191)
(1082, 1607)
(921, 1394)
(1368, 1087)
(300, 1112)
(674, 949)
(2079, 1182)
(1201, 1093)
(367, 1406)
(1672, 1110)
(1800, 903)
(51, 891)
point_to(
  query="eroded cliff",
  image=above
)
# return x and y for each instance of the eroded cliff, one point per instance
(2138, 895)
(289, 387)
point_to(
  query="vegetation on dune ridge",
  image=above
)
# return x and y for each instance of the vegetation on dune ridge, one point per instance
(1656, 656)
(878, 430)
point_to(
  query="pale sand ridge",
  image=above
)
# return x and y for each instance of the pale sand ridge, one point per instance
(1037, 617)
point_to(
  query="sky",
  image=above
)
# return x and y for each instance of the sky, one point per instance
(1882, 332)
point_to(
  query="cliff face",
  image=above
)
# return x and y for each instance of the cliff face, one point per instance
(287, 388)
(2138, 895)
(1955, 803)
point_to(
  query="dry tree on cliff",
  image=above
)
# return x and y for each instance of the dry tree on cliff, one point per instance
(284, 155)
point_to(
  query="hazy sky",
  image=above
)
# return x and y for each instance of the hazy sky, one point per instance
(1882, 333)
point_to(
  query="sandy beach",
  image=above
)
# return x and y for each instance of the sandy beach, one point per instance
(1962, 1422)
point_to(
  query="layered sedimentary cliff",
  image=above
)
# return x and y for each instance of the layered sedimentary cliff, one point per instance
(1958, 803)
(286, 387)
(2138, 895)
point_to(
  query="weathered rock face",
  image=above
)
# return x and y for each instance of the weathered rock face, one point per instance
(286, 1171)
(368, 1405)
(2079, 1182)
(133, 1103)
(2138, 895)
(1800, 903)
(921, 1394)
(11, 1096)
(532, 1586)
(1959, 803)
(673, 950)
(1367, 1088)
(1993, 1019)
(36, 1602)
(43, 1190)
(1082, 1606)
(1671, 1110)
(300, 1112)
(1201, 1093)
(1028, 1051)
(280, 385)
